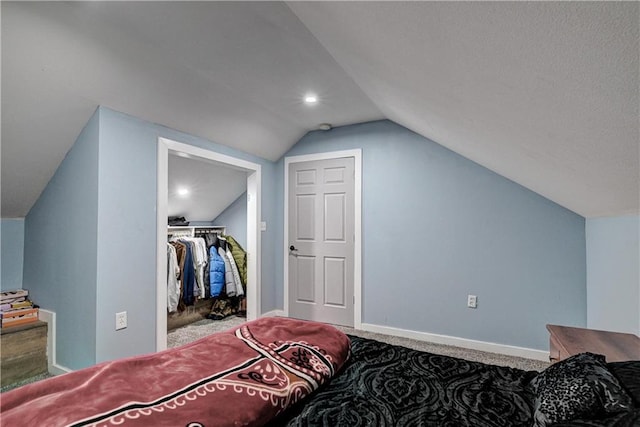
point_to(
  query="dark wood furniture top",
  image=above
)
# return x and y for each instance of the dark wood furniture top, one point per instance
(566, 341)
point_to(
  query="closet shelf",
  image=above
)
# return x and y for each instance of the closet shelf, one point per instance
(190, 230)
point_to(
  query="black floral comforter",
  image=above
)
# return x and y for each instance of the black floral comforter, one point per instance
(387, 385)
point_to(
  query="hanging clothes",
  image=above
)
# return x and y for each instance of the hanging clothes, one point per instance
(234, 269)
(181, 250)
(240, 257)
(236, 275)
(188, 275)
(210, 239)
(200, 257)
(216, 272)
(229, 281)
(206, 266)
(173, 273)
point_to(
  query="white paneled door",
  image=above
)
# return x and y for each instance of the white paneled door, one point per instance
(321, 240)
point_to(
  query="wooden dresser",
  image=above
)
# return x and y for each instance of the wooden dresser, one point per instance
(565, 341)
(23, 352)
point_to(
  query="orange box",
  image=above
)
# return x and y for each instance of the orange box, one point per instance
(19, 313)
(19, 317)
(17, 321)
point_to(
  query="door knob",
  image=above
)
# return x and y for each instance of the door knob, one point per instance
(292, 248)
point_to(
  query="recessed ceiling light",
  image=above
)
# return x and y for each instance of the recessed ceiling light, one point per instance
(183, 192)
(310, 99)
(324, 126)
(185, 155)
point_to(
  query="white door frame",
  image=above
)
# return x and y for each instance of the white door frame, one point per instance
(254, 190)
(357, 249)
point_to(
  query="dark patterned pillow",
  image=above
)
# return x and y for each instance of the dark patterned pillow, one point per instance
(628, 374)
(578, 387)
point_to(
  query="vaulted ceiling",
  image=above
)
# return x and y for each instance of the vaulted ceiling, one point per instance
(544, 93)
(201, 189)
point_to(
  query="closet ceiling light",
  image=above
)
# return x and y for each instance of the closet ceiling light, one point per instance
(310, 99)
(183, 192)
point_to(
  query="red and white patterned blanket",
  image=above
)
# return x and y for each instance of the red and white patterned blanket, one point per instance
(241, 377)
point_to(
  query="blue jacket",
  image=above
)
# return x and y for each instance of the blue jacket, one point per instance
(216, 272)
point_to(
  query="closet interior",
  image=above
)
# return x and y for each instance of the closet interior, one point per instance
(206, 263)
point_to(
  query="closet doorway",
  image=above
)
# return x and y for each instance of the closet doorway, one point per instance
(252, 170)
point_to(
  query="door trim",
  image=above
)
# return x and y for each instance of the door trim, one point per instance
(254, 197)
(357, 212)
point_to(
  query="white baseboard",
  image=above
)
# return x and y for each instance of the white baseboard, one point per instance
(56, 369)
(489, 347)
(52, 365)
(273, 313)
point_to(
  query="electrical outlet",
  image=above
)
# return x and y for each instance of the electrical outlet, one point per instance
(472, 301)
(121, 320)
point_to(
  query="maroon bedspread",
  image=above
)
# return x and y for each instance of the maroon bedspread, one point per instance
(241, 377)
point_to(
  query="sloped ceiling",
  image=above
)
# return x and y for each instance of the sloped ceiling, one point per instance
(210, 187)
(234, 73)
(544, 93)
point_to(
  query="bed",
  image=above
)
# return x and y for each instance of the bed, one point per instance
(387, 385)
(244, 376)
(284, 372)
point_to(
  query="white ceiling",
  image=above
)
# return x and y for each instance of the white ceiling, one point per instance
(544, 93)
(234, 73)
(211, 186)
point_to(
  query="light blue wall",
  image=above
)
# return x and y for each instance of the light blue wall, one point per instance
(91, 237)
(234, 218)
(12, 236)
(613, 277)
(437, 226)
(127, 229)
(272, 290)
(60, 249)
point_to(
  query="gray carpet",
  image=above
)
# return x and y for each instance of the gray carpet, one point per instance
(202, 328)
(206, 327)
(25, 381)
(447, 350)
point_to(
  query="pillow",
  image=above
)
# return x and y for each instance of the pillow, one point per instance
(578, 387)
(628, 374)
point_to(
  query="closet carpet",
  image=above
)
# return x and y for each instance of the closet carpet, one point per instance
(200, 329)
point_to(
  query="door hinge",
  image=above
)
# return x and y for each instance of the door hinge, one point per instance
(354, 300)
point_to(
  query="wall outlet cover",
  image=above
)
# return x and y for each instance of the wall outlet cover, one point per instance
(121, 320)
(472, 301)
